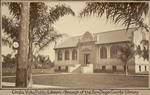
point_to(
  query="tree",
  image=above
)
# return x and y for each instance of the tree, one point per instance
(8, 61)
(41, 33)
(129, 14)
(126, 53)
(44, 61)
(124, 13)
(143, 49)
(22, 56)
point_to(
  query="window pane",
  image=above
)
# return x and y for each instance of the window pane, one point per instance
(103, 52)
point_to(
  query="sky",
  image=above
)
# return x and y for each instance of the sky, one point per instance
(71, 25)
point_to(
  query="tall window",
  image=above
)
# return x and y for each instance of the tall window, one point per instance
(66, 55)
(113, 51)
(74, 55)
(145, 68)
(59, 55)
(139, 68)
(103, 52)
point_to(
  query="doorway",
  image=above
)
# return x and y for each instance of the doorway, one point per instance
(86, 59)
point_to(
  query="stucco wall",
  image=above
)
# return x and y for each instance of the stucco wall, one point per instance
(64, 62)
(140, 63)
(109, 62)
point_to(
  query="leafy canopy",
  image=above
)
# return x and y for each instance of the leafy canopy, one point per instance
(127, 13)
(41, 31)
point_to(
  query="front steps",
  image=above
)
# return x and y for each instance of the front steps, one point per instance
(77, 68)
(87, 69)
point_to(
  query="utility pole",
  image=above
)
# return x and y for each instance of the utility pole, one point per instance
(22, 61)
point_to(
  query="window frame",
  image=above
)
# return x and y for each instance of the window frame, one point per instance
(59, 56)
(113, 51)
(74, 54)
(67, 55)
(103, 52)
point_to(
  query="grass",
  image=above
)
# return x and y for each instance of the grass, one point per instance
(89, 80)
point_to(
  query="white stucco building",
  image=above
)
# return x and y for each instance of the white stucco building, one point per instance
(90, 52)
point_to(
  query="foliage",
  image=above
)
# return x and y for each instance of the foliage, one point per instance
(41, 32)
(142, 50)
(8, 61)
(44, 61)
(128, 13)
(126, 52)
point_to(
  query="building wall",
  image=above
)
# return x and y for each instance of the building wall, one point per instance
(92, 46)
(141, 65)
(63, 63)
(86, 49)
(110, 62)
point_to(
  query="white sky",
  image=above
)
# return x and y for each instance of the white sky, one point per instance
(72, 25)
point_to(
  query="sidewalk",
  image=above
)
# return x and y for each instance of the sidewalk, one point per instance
(12, 85)
(112, 74)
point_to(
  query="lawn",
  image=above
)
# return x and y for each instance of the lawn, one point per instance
(89, 80)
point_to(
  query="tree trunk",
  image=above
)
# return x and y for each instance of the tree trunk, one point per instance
(30, 57)
(0, 54)
(126, 69)
(21, 70)
(149, 39)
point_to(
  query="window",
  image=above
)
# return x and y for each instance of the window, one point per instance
(66, 67)
(113, 51)
(59, 55)
(59, 68)
(103, 68)
(103, 52)
(145, 68)
(66, 55)
(74, 55)
(114, 68)
(139, 68)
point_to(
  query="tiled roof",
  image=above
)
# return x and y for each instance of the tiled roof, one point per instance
(70, 42)
(102, 38)
(114, 36)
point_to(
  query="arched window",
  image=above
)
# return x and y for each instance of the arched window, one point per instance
(59, 55)
(113, 51)
(74, 55)
(67, 55)
(103, 52)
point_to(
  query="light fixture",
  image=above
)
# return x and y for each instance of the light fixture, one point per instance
(15, 44)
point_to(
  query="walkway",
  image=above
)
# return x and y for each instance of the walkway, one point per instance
(79, 73)
(12, 85)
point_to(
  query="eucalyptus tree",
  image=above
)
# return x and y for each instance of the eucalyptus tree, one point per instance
(41, 32)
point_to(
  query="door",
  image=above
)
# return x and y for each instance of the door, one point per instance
(86, 59)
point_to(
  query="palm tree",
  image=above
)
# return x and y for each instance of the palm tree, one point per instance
(142, 50)
(129, 14)
(41, 33)
(126, 53)
(124, 13)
